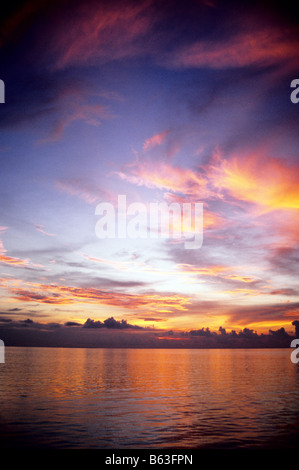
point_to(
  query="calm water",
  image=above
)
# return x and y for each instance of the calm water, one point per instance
(132, 398)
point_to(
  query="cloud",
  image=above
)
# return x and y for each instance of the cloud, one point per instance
(271, 186)
(102, 32)
(262, 314)
(74, 106)
(284, 259)
(204, 271)
(41, 228)
(296, 324)
(115, 333)
(286, 291)
(251, 46)
(72, 323)
(154, 141)
(67, 295)
(167, 177)
(84, 189)
(12, 261)
(236, 180)
(110, 323)
(53, 105)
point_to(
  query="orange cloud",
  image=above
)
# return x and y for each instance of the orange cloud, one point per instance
(10, 260)
(219, 271)
(235, 277)
(269, 183)
(13, 261)
(182, 185)
(239, 291)
(209, 271)
(59, 294)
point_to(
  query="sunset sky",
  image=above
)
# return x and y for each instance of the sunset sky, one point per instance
(160, 101)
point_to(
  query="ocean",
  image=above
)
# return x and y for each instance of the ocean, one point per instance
(60, 398)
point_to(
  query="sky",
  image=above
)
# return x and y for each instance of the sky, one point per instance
(158, 102)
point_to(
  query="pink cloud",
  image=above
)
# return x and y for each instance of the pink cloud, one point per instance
(71, 110)
(83, 189)
(102, 32)
(167, 177)
(179, 185)
(250, 46)
(154, 141)
(41, 228)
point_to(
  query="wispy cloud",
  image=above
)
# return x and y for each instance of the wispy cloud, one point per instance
(84, 189)
(164, 176)
(41, 228)
(13, 261)
(9, 260)
(52, 106)
(251, 46)
(154, 141)
(62, 295)
(102, 32)
(72, 107)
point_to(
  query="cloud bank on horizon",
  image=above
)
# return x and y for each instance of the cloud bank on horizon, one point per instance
(162, 102)
(112, 333)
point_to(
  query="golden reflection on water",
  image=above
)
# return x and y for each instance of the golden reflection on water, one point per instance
(142, 397)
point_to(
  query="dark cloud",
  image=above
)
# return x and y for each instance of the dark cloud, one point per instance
(109, 323)
(246, 338)
(93, 324)
(114, 333)
(296, 325)
(72, 323)
(201, 332)
(151, 319)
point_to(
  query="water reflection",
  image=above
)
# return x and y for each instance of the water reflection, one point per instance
(129, 398)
